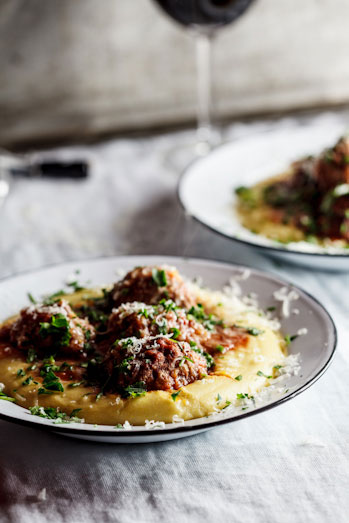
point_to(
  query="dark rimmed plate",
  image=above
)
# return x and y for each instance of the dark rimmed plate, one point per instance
(316, 348)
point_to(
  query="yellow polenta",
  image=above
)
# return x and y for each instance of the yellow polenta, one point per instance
(198, 399)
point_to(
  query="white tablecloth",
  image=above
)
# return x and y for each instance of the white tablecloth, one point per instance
(288, 465)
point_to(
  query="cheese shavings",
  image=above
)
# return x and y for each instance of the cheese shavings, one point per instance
(286, 296)
(151, 424)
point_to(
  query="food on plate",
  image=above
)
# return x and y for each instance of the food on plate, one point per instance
(310, 202)
(150, 347)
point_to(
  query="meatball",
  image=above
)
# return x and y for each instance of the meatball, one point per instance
(157, 363)
(141, 320)
(150, 285)
(51, 328)
(332, 167)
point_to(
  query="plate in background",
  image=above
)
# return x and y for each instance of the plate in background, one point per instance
(316, 348)
(207, 188)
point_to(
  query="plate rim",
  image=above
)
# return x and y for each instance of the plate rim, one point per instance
(281, 250)
(66, 430)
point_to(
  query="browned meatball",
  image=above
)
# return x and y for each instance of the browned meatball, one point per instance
(150, 285)
(51, 328)
(156, 364)
(141, 320)
(332, 167)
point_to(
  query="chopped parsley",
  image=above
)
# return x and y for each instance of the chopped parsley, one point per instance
(219, 398)
(50, 300)
(254, 331)
(31, 298)
(260, 373)
(288, 339)
(162, 326)
(136, 390)
(208, 320)
(124, 366)
(277, 367)
(246, 195)
(75, 286)
(159, 277)
(4, 396)
(176, 332)
(183, 360)
(168, 305)
(238, 378)
(271, 309)
(27, 381)
(20, 373)
(51, 382)
(220, 348)
(244, 396)
(76, 384)
(58, 328)
(54, 414)
(175, 395)
(31, 356)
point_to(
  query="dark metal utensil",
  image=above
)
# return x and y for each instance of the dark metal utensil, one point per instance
(51, 169)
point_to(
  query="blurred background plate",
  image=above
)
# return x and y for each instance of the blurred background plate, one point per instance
(207, 188)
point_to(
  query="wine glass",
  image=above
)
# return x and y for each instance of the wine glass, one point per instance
(204, 18)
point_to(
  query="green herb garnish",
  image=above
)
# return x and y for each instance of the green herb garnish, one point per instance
(51, 382)
(4, 396)
(288, 339)
(50, 300)
(54, 414)
(76, 384)
(175, 395)
(58, 328)
(176, 332)
(31, 298)
(260, 373)
(136, 390)
(159, 277)
(31, 356)
(183, 360)
(254, 331)
(75, 286)
(238, 378)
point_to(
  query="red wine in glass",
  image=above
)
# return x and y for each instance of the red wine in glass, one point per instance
(204, 12)
(204, 17)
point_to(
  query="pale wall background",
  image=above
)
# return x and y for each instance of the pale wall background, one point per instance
(73, 69)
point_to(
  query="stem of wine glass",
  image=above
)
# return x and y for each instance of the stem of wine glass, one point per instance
(204, 90)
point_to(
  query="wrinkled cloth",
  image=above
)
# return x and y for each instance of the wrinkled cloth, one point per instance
(287, 465)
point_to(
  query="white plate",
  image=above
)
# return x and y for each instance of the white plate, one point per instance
(316, 348)
(207, 188)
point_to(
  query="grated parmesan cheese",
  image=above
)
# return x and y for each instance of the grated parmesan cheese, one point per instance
(177, 419)
(302, 332)
(149, 425)
(286, 298)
